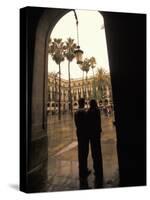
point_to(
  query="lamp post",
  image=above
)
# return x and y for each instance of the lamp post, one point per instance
(78, 52)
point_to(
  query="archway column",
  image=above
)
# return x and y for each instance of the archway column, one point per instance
(126, 43)
(38, 24)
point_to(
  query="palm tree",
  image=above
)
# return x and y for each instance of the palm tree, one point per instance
(85, 66)
(54, 75)
(82, 79)
(49, 93)
(69, 54)
(103, 80)
(56, 50)
(93, 65)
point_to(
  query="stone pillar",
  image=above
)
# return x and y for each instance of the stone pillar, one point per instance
(126, 43)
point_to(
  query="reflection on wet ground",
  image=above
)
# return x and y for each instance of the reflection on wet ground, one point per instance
(63, 162)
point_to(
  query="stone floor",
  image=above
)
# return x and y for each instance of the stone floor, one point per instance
(63, 162)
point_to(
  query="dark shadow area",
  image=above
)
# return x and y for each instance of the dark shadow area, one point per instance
(126, 40)
(14, 186)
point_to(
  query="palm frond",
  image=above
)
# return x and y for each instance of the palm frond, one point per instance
(56, 50)
(92, 62)
(70, 47)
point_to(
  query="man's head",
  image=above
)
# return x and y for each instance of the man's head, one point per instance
(81, 102)
(93, 104)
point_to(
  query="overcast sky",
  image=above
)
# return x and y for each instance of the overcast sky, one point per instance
(91, 38)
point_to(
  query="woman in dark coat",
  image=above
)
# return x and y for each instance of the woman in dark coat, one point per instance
(94, 133)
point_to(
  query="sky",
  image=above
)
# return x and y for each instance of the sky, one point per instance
(92, 41)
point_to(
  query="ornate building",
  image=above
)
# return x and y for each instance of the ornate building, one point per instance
(79, 88)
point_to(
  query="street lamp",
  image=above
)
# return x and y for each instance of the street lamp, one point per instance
(78, 52)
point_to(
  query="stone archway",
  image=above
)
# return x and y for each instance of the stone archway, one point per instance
(40, 74)
(39, 138)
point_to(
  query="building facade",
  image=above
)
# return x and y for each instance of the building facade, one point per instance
(79, 88)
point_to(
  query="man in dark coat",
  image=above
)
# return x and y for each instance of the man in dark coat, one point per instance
(83, 143)
(94, 133)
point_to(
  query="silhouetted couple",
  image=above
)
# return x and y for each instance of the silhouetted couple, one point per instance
(88, 124)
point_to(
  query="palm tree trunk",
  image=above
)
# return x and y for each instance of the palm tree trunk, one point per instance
(95, 96)
(70, 96)
(55, 93)
(86, 86)
(83, 85)
(59, 103)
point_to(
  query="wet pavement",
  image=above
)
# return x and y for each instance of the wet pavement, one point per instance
(63, 160)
